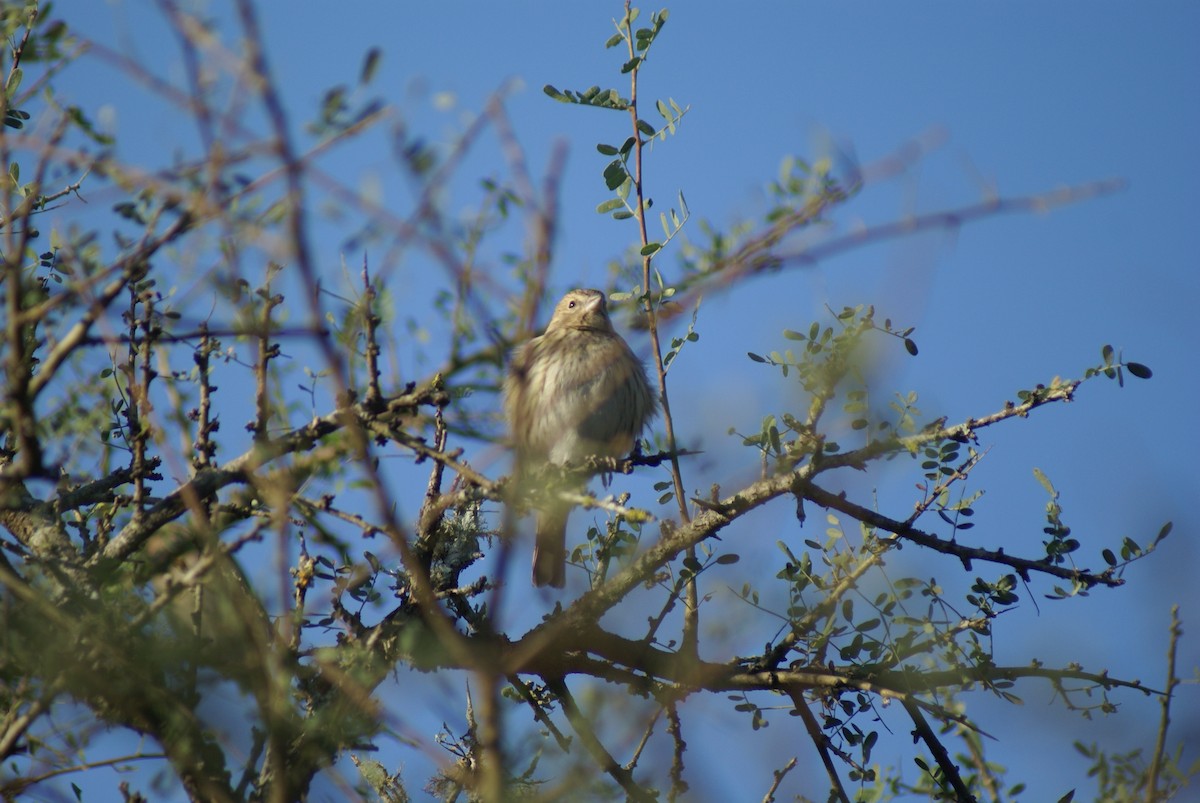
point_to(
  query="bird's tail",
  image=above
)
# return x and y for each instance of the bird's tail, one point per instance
(550, 547)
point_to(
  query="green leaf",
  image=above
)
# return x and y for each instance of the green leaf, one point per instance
(15, 118)
(646, 128)
(650, 248)
(14, 82)
(370, 65)
(607, 150)
(910, 346)
(610, 205)
(728, 559)
(631, 65)
(1107, 354)
(614, 40)
(662, 109)
(622, 215)
(1138, 370)
(755, 357)
(554, 93)
(615, 174)
(1045, 481)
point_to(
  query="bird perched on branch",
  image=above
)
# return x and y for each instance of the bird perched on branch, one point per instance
(576, 391)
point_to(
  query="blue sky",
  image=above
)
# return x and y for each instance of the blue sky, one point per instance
(1019, 98)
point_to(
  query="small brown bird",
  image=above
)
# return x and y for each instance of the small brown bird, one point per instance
(576, 391)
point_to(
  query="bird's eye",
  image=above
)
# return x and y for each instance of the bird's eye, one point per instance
(571, 305)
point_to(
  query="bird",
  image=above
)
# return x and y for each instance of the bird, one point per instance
(573, 392)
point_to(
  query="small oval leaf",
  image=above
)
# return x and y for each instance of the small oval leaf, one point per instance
(1139, 370)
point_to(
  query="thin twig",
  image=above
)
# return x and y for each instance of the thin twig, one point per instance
(821, 743)
(1160, 742)
(938, 750)
(592, 744)
(779, 775)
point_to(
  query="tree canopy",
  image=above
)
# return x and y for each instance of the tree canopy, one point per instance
(260, 532)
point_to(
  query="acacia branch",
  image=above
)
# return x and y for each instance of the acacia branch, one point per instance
(1160, 740)
(947, 765)
(77, 335)
(821, 743)
(1023, 566)
(754, 257)
(209, 481)
(579, 723)
(715, 516)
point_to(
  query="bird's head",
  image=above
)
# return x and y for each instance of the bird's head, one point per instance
(581, 309)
